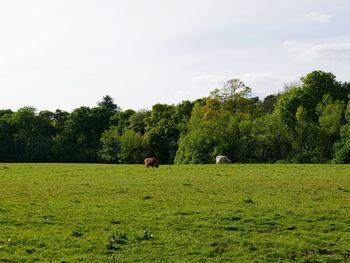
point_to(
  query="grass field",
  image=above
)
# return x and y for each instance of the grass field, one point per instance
(176, 213)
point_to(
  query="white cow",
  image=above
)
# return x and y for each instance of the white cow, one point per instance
(221, 159)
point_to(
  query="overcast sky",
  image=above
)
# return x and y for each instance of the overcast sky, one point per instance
(70, 53)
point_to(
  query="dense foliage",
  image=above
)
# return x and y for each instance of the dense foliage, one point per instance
(308, 122)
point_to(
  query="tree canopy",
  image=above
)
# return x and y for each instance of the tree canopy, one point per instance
(308, 122)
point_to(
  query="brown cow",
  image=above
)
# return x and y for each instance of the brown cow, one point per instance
(151, 162)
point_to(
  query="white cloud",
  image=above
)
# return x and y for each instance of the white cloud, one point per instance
(329, 50)
(65, 54)
(199, 87)
(208, 82)
(316, 17)
(264, 83)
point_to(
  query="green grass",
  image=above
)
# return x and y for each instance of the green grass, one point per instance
(176, 213)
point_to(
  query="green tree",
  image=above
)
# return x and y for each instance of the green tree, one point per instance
(137, 121)
(314, 87)
(121, 119)
(235, 88)
(195, 146)
(59, 119)
(183, 112)
(110, 145)
(235, 97)
(133, 147)
(24, 138)
(270, 139)
(7, 131)
(313, 114)
(307, 138)
(31, 135)
(342, 146)
(331, 114)
(208, 134)
(269, 103)
(82, 133)
(288, 104)
(108, 104)
(5, 112)
(162, 133)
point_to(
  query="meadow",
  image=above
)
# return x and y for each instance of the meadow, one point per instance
(176, 213)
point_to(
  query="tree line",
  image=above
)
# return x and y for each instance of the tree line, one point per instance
(308, 122)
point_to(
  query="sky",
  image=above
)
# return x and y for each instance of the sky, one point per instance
(64, 54)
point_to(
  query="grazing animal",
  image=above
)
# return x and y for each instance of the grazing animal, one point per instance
(221, 159)
(153, 162)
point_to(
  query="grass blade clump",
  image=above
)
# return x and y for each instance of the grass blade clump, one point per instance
(117, 240)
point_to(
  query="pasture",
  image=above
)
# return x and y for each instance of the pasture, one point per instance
(176, 213)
